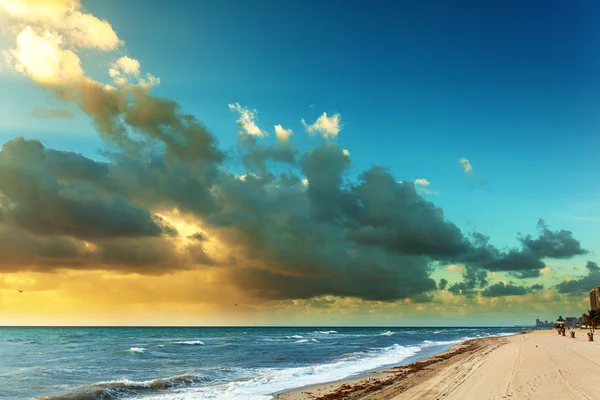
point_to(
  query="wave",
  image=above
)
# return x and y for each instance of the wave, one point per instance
(325, 332)
(386, 333)
(136, 350)
(126, 388)
(294, 337)
(307, 341)
(432, 343)
(260, 383)
(190, 342)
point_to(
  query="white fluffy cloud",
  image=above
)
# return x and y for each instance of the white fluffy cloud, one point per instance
(247, 119)
(422, 182)
(283, 135)
(65, 18)
(42, 58)
(327, 126)
(466, 164)
(50, 33)
(128, 65)
(124, 69)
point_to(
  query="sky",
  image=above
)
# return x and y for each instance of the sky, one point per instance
(298, 163)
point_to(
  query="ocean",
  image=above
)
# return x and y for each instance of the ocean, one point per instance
(203, 363)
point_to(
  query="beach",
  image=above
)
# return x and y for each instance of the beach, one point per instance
(535, 365)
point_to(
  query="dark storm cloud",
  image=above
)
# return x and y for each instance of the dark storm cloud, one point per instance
(21, 250)
(501, 289)
(537, 287)
(197, 236)
(366, 280)
(526, 273)
(473, 278)
(324, 167)
(40, 202)
(373, 238)
(553, 244)
(583, 284)
(395, 217)
(443, 284)
(525, 262)
(256, 155)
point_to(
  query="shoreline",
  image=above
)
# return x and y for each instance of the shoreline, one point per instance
(396, 379)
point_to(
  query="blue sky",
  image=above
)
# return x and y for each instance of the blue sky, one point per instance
(512, 86)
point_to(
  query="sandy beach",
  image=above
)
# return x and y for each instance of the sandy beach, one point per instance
(536, 365)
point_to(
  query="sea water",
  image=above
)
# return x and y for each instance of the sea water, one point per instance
(246, 363)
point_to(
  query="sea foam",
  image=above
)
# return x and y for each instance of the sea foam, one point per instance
(190, 342)
(262, 382)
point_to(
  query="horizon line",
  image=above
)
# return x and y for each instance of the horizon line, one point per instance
(265, 326)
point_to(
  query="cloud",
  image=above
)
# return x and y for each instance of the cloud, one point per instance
(455, 268)
(52, 33)
(394, 216)
(422, 182)
(44, 113)
(282, 135)
(329, 127)
(304, 230)
(42, 58)
(64, 17)
(481, 257)
(502, 289)
(473, 278)
(443, 284)
(557, 244)
(125, 71)
(128, 65)
(584, 284)
(469, 172)
(466, 165)
(247, 120)
(38, 10)
(43, 203)
(547, 270)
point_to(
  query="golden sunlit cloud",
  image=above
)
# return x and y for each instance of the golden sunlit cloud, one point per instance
(459, 268)
(282, 135)
(247, 121)
(65, 18)
(329, 127)
(42, 58)
(547, 270)
(466, 164)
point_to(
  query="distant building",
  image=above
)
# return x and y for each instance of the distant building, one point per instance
(571, 321)
(595, 298)
(543, 324)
